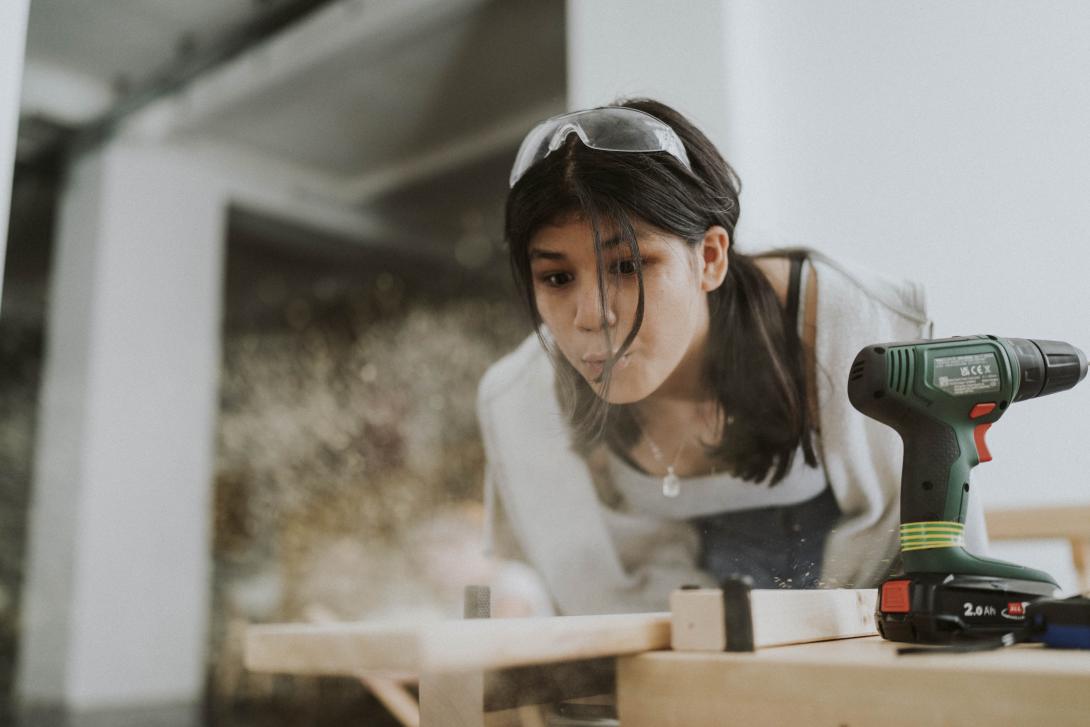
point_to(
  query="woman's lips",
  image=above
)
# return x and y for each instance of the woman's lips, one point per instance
(596, 365)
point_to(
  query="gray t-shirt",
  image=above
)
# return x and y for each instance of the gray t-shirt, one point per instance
(775, 535)
(714, 493)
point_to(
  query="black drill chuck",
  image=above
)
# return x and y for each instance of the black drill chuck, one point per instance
(1047, 366)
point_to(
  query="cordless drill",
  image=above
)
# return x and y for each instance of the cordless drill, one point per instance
(941, 396)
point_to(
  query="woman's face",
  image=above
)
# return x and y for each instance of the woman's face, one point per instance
(666, 355)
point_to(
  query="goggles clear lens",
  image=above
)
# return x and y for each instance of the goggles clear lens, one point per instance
(604, 129)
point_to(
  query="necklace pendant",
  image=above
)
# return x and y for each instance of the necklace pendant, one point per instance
(671, 484)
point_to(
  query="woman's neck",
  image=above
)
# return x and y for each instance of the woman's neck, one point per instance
(676, 419)
(674, 433)
(684, 408)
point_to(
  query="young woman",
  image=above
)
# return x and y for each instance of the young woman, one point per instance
(681, 415)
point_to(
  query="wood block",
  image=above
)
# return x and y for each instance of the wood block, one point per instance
(779, 617)
(697, 621)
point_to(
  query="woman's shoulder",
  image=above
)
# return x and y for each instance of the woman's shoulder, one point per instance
(844, 285)
(509, 373)
(847, 285)
(777, 270)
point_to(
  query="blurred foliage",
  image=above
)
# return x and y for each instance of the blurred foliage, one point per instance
(347, 423)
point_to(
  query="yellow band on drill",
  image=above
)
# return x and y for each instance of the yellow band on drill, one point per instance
(926, 535)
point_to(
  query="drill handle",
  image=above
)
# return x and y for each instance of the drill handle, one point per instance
(935, 470)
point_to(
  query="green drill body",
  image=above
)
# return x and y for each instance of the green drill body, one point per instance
(941, 396)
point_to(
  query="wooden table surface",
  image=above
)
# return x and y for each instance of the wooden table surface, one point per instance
(858, 681)
(855, 682)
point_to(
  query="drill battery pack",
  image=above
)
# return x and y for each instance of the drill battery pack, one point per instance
(938, 608)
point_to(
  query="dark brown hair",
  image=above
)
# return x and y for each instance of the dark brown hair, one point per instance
(754, 366)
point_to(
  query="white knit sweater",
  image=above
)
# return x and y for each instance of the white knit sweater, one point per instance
(543, 506)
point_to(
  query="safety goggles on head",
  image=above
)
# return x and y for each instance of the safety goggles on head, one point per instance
(611, 128)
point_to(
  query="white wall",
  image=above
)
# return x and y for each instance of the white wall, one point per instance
(948, 142)
(13, 22)
(670, 51)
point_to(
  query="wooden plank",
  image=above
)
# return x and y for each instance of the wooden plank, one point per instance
(395, 697)
(390, 691)
(479, 644)
(1069, 522)
(460, 699)
(779, 617)
(854, 681)
(452, 698)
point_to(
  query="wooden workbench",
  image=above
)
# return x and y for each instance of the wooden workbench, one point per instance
(469, 669)
(854, 682)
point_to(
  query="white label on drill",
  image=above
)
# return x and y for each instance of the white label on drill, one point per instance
(967, 375)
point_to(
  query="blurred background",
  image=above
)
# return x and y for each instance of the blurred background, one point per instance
(254, 269)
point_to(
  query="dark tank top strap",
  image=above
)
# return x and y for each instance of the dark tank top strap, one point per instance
(794, 285)
(779, 546)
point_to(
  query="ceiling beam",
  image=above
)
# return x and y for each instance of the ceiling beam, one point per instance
(502, 135)
(286, 190)
(343, 26)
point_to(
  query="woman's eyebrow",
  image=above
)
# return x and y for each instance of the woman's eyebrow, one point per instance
(539, 254)
(607, 244)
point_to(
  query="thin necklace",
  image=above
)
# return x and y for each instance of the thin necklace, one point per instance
(671, 483)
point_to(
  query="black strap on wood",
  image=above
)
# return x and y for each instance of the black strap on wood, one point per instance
(478, 602)
(737, 612)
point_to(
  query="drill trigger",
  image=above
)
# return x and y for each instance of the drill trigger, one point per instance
(978, 433)
(981, 446)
